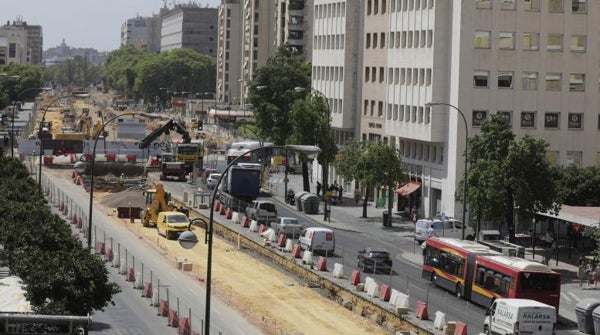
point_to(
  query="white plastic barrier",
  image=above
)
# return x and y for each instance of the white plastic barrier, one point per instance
(121, 158)
(61, 160)
(399, 299)
(338, 270)
(154, 298)
(253, 226)
(269, 234)
(307, 257)
(289, 245)
(440, 320)
(115, 261)
(122, 267)
(371, 287)
(235, 217)
(138, 284)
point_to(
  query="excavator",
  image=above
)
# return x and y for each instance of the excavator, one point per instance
(157, 200)
(186, 153)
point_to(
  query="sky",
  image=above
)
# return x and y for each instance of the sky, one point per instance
(83, 23)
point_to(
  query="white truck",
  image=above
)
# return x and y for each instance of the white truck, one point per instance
(520, 316)
(261, 210)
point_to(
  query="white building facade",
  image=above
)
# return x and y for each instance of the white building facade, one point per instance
(534, 62)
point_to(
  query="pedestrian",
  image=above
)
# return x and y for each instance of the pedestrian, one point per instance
(589, 271)
(356, 195)
(581, 274)
(548, 239)
(319, 186)
(596, 275)
(340, 193)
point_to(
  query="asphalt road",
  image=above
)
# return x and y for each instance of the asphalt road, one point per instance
(132, 314)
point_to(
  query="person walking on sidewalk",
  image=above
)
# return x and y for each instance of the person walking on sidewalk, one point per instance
(596, 276)
(319, 186)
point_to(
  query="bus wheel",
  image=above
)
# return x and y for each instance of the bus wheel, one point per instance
(458, 291)
(433, 278)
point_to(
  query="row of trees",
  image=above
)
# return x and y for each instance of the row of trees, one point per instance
(17, 81)
(148, 76)
(60, 275)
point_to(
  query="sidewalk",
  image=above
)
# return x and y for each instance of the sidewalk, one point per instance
(348, 216)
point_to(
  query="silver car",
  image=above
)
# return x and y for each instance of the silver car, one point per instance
(212, 180)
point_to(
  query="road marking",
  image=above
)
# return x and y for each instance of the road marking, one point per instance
(570, 296)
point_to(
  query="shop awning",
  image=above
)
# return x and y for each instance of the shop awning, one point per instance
(408, 188)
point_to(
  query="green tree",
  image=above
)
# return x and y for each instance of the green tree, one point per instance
(579, 186)
(16, 79)
(372, 163)
(507, 175)
(60, 275)
(311, 125)
(272, 92)
(118, 73)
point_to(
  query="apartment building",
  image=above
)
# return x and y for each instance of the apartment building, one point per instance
(189, 26)
(23, 43)
(293, 25)
(143, 33)
(534, 62)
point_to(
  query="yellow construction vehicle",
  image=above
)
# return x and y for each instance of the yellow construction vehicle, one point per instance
(157, 201)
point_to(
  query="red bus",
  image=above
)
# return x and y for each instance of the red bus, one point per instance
(481, 275)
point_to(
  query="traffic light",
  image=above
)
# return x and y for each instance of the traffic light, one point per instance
(200, 125)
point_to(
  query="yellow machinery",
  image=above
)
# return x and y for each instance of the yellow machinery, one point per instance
(156, 201)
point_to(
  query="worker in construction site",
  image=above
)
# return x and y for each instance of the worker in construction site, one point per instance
(121, 179)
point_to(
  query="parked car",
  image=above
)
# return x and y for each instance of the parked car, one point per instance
(207, 173)
(212, 180)
(425, 228)
(288, 226)
(374, 260)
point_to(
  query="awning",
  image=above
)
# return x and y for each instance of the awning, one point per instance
(408, 188)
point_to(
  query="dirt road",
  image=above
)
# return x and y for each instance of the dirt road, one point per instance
(276, 302)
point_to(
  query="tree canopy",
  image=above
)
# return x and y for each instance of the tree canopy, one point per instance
(372, 163)
(17, 81)
(60, 275)
(507, 175)
(272, 93)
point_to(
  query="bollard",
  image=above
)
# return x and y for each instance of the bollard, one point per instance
(421, 312)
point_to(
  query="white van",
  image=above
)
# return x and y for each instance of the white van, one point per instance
(425, 228)
(519, 316)
(318, 240)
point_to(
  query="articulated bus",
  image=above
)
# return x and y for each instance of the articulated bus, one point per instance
(481, 275)
(239, 148)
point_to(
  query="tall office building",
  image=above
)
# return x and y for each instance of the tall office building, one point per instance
(294, 25)
(24, 42)
(143, 33)
(536, 63)
(189, 26)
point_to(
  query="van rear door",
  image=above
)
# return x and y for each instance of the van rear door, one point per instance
(538, 320)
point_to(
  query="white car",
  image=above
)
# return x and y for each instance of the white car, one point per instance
(212, 180)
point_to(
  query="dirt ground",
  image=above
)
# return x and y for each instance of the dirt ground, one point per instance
(276, 302)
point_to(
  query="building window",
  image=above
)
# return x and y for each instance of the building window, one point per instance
(482, 39)
(507, 41)
(555, 42)
(531, 41)
(553, 81)
(556, 6)
(368, 41)
(551, 120)
(575, 121)
(552, 157)
(530, 80)
(574, 158)
(483, 4)
(577, 82)
(506, 116)
(598, 121)
(480, 78)
(505, 79)
(531, 5)
(478, 117)
(579, 6)
(578, 43)
(528, 120)
(507, 4)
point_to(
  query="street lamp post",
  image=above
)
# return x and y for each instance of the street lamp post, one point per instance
(81, 166)
(188, 239)
(42, 140)
(466, 184)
